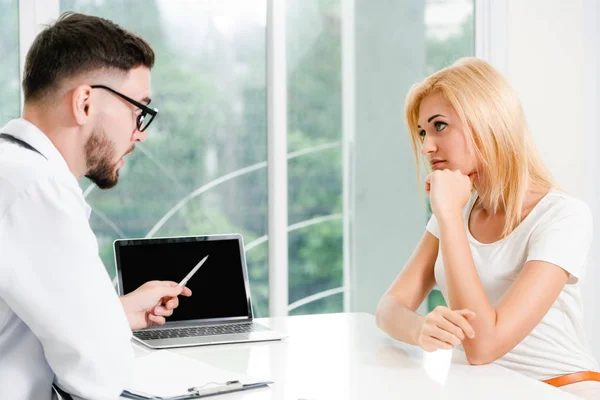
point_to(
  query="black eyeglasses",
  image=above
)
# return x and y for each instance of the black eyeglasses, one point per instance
(141, 121)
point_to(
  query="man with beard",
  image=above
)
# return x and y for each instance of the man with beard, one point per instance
(87, 88)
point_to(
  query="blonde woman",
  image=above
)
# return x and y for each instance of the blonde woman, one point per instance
(504, 245)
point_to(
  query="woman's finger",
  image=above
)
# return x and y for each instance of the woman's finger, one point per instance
(432, 344)
(468, 314)
(428, 184)
(460, 321)
(450, 327)
(446, 337)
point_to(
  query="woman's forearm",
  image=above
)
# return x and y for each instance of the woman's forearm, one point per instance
(464, 286)
(399, 321)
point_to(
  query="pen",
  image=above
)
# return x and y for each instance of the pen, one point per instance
(202, 391)
(231, 386)
(192, 272)
(227, 387)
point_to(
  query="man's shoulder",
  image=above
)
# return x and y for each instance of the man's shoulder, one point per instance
(22, 170)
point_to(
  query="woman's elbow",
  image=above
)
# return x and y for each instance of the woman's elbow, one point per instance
(479, 355)
(477, 359)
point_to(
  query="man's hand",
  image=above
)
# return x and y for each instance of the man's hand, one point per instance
(149, 304)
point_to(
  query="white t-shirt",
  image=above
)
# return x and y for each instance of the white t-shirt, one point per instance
(559, 231)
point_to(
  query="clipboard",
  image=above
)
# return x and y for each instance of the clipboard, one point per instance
(228, 387)
(165, 375)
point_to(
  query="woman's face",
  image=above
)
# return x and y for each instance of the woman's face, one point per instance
(442, 135)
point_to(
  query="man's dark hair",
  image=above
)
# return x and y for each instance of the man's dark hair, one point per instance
(76, 44)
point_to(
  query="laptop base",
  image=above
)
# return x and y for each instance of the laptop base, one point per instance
(210, 340)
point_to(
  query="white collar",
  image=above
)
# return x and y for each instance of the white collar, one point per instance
(33, 136)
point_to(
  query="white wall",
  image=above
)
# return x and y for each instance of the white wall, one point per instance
(591, 132)
(545, 65)
(551, 49)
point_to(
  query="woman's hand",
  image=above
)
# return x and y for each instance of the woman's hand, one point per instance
(444, 328)
(448, 191)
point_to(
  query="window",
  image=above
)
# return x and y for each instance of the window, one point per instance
(9, 54)
(450, 32)
(202, 169)
(315, 168)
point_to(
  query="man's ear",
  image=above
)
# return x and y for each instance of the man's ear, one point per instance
(80, 103)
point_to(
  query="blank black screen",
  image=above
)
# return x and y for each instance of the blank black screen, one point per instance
(218, 289)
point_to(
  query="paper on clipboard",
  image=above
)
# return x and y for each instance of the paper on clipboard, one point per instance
(166, 374)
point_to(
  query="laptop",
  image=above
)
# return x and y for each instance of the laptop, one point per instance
(220, 308)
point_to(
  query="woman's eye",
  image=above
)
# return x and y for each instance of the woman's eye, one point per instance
(439, 125)
(422, 134)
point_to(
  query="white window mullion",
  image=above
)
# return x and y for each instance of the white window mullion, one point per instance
(491, 33)
(348, 133)
(33, 15)
(277, 157)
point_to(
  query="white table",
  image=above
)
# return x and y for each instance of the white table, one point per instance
(345, 356)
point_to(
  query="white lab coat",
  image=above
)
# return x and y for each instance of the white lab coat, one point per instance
(60, 318)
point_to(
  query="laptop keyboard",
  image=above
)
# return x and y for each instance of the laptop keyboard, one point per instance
(196, 331)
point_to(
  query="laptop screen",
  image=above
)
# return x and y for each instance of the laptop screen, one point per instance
(218, 287)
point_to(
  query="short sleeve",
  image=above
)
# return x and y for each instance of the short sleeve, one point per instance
(563, 238)
(433, 227)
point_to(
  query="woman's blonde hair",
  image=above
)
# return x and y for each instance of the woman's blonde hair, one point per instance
(494, 123)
